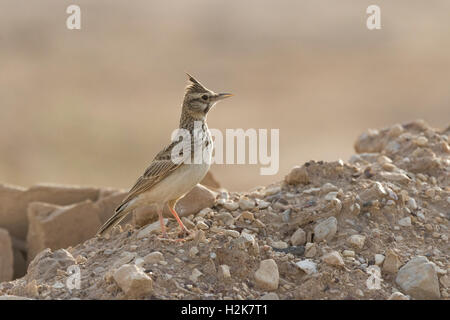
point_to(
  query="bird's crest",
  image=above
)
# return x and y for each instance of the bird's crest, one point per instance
(194, 85)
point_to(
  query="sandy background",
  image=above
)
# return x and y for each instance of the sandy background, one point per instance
(94, 106)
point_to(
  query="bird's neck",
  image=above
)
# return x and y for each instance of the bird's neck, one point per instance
(189, 121)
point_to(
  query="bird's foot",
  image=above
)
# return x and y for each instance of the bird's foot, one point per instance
(164, 236)
(184, 232)
(180, 236)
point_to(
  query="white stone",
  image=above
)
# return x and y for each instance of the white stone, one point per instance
(392, 194)
(384, 159)
(379, 258)
(139, 262)
(263, 204)
(329, 187)
(405, 222)
(412, 204)
(230, 205)
(395, 177)
(418, 278)
(421, 216)
(232, 233)
(325, 230)
(348, 253)
(224, 272)
(267, 276)
(247, 237)
(421, 141)
(331, 196)
(246, 203)
(272, 190)
(355, 209)
(12, 297)
(226, 217)
(150, 229)
(270, 296)
(308, 266)
(132, 280)
(193, 251)
(398, 296)
(311, 191)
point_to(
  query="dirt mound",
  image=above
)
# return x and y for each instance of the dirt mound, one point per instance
(375, 227)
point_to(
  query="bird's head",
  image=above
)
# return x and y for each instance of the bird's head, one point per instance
(198, 99)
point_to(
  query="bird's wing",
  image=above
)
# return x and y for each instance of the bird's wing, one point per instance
(160, 167)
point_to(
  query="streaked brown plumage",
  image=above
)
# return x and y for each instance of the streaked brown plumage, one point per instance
(166, 180)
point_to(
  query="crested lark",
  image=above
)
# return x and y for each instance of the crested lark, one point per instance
(167, 180)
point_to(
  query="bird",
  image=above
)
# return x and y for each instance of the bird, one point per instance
(175, 171)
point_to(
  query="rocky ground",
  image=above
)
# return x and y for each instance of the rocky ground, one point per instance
(375, 227)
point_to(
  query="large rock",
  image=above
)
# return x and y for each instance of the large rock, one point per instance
(20, 263)
(12, 210)
(418, 278)
(6, 256)
(325, 230)
(45, 265)
(298, 175)
(108, 203)
(54, 227)
(14, 202)
(133, 281)
(210, 181)
(267, 276)
(197, 199)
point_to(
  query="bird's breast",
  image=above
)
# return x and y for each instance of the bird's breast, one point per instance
(176, 184)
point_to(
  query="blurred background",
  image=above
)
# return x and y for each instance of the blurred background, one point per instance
(93, 106)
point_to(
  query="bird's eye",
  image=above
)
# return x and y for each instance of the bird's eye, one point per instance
(205, 97)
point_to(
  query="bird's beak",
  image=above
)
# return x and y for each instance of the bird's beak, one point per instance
(221, 96)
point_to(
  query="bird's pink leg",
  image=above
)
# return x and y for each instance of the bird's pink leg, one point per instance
(161, 221)
(171, 205)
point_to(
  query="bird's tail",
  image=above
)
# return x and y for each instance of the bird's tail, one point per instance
(119, 214)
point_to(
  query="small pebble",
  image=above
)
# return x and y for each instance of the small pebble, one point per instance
(379, 258)
(230, 205)
(405, 222)
(193, 251)
(232, 233)
(308, 266)
(202, 226)
(246, 203)
(357, 240)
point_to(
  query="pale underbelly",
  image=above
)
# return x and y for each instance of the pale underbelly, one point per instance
(176, 185)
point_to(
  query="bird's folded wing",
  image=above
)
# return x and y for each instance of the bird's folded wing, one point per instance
(160, 167)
